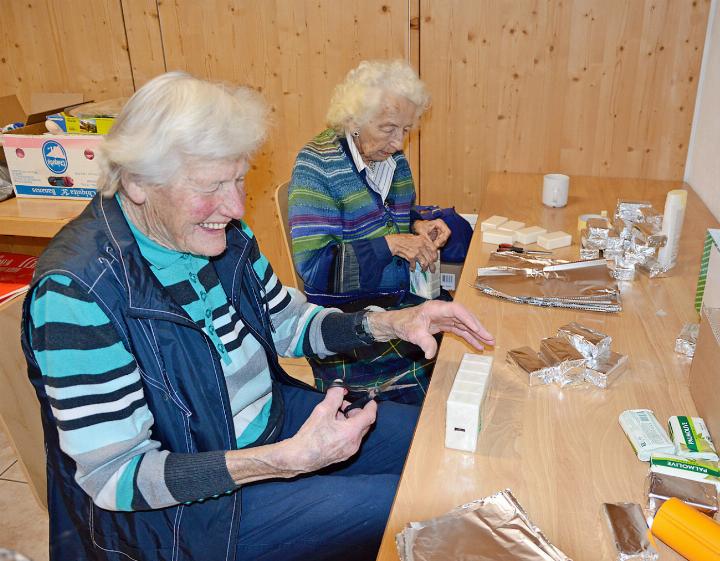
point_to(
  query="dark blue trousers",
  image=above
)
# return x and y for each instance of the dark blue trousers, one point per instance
(339, 513)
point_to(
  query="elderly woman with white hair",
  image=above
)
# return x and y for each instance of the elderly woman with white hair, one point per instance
(151, 332)
(355, 237)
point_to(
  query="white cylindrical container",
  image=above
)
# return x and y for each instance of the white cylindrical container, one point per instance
(555, 190)
(675, 204)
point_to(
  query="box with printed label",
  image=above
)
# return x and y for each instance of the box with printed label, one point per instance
(54, 166)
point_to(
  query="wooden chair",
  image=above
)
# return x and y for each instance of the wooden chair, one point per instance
(281, 200)
(19, 407)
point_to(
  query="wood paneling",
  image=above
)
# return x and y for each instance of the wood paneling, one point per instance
(294, 53)
(144, 38)
(63, 45)
(592, 87)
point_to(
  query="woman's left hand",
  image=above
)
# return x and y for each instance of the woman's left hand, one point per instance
(434, 230)
(419, 323)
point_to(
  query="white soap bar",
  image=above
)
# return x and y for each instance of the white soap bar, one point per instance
(497, 236)
(511, 226)
(529, 234)
(462, 421)
(553, 240)
(465, 402)
(492, 223)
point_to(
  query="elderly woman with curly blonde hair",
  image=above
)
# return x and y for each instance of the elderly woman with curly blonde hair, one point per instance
(355, 238)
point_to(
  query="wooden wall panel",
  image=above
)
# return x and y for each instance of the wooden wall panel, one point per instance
(144, 37)
(292, 51)
(63, 45)
(592, 87)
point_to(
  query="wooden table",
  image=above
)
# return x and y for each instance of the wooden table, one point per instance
(26, 225)
(561, 452)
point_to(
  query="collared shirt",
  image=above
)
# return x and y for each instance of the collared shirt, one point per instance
(379, 177)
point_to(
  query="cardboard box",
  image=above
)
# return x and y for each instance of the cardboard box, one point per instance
(707, 293)
(450, 275)
(705, 374)
(51, 166)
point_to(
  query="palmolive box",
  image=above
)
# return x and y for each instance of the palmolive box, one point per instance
(56, 166)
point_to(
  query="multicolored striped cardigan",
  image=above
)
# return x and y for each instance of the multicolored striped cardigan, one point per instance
(338, 226)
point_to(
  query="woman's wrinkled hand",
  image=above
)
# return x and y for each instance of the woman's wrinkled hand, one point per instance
(418, 324)
(414, 249)
(435, 231)
(327, 436)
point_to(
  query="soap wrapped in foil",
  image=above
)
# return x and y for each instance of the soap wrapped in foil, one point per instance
(660, 487)
(631, 210)
(528, 362)
(652, 268)
(623, 228)
(648, 235)
(629, 532)
(488, 529)
(652, 217)
(598, 228)
(589, 242)
(685, 342)
(558, 352)
(588, 342)
(587, 254)
(602, 371)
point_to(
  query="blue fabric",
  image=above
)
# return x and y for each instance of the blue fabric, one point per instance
(182, 381)
(340, 514)
(456, 248)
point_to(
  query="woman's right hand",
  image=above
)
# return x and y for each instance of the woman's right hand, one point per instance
(327, 436)
(414, 249)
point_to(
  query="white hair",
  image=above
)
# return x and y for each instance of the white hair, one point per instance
(175, 119)
(358, 98)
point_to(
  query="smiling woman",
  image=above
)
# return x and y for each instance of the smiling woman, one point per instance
(152, 331)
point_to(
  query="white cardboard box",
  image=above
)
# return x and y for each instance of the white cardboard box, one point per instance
(52, 166)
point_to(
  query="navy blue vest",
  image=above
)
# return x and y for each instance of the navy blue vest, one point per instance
(183, 384)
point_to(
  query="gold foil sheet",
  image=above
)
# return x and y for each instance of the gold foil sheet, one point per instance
(488, 529)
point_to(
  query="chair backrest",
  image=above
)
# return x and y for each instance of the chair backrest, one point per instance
(281, 201)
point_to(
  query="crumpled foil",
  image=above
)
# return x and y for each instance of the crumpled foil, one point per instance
(588, 254)
(528, 362)
(602, 371)
(598, 228)
(629, 532)
(569, 362)
(652, 268)
(488, 529)
(649, 235)
(659, 487)
(631, 210)
(521, 279)
(588, 342)
(685, 342)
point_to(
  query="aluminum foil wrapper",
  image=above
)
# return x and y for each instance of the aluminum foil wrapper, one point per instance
(623, 228)
(590, 242)
(612, 254)
(631, 210)
(602, 371)
(570, 363)
(588, 342)
(614, 241)
(652, 268)
(629, 532)
(652, 217)
(639, 253)
(624, 272)
(522, 279)
(685, 342)
(648, 235)
(528, 362)
(598, 228)
(660, 487)
(488, 529)
(587, 254)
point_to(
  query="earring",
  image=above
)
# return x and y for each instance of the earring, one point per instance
(356, 133)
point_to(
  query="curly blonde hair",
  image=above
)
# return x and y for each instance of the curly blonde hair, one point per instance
(357, 99)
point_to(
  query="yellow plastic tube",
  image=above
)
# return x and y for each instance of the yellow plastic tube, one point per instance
(692, 534)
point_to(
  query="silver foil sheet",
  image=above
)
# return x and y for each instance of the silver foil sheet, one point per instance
(488, 529)
(629, 532)
(588, 342)
(685, 342)
(660, 487)
(522, 279)
(587, 254)
(528, 363)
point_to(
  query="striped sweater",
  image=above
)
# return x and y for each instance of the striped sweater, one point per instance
(96, 391)
(338, 224)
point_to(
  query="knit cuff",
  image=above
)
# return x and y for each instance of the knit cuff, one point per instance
(339, 333)
(190, 477)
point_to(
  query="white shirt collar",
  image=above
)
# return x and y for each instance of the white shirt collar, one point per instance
(379, 178)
